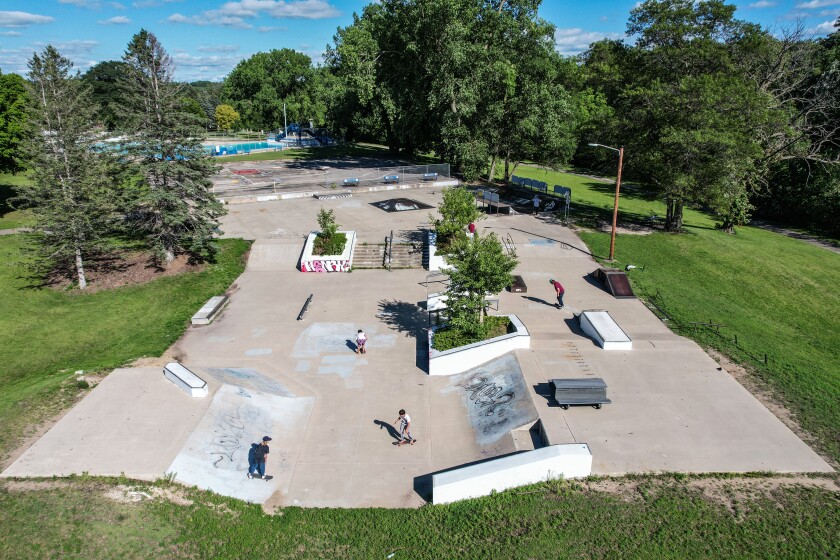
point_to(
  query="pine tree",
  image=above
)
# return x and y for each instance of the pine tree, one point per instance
(174, 206)
(69, 193)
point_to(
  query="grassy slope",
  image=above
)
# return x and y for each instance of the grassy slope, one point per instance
(661, 518)
(45, 335)
(10, 218)
(777, 294)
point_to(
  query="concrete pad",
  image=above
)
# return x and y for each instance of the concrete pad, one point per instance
(134, 423)
(215, 456)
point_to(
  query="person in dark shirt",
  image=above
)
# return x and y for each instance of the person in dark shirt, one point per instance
(259, 458)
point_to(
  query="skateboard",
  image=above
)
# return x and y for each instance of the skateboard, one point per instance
(257, 477)
(403, 441)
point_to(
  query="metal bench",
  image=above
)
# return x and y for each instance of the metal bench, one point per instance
(430, 176)
(589, 391)
(391, 178)
(351, 182)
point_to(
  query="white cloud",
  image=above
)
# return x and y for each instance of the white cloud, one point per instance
(22, 19)
(825, 28)
(93, 4)
(270, 28)
(116, 20)
(234, 14)
(211, 17)
(814, 4)
(11, 33)
(762, 4)
(71, 49)
(575, 40)
(152, 3)
(219, 48)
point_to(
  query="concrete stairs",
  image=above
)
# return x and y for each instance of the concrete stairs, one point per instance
(407, 255)
(369, 256)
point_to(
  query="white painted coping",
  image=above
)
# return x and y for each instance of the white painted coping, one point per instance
(602, 327)
(328, 263)
(458, 360)
(211, 309)
(436, 262)
(186, 380)
(572, 460)
(437, 301)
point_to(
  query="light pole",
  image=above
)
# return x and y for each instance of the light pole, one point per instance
(617, 187)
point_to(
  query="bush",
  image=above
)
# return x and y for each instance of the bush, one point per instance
(448, 338)
(333, 245)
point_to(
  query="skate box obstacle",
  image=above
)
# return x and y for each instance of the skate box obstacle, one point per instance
(590, 391)
(185, 380)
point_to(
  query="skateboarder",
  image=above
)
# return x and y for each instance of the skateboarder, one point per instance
(361, 340)
(536, 202)
(260, 455)
(405, 428)
(560, 290)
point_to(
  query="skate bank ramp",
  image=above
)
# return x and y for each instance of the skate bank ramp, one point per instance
(603, 329)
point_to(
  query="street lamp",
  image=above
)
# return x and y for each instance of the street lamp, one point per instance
(617, 187)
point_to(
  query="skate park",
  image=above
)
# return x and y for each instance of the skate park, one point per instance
(328, 410)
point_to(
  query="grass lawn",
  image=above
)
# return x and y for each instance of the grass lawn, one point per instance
(10, 218)
(357, 151)
(778, 295)
(652, 517)
(46, 335)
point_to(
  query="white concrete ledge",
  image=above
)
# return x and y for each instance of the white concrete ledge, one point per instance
(328, 263)
(245, 198)
(600, 325)
(462, 358)
(211, 309)
(436, 262)
(567, 461)
(185, 380)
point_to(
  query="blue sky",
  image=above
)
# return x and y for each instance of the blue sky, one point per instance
(208, 37)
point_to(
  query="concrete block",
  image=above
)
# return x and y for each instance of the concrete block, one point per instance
(458, 360)
(566, 461)
(604, 330)
(186, 380)
(210, 310)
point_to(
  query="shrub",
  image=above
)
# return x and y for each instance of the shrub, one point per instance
(449, 337)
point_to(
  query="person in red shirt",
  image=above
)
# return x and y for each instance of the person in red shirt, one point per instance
(560, 292)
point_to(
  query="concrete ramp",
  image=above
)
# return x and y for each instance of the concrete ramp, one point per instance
(616, 283)
(267, 256)
(599, 325)
(215, 456)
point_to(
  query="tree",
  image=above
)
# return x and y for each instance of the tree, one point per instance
(69, 194)
(13, 100)
(103, 79)
(174, 207)
(226, 117)
(258, 87)
(479, 266)
(457, 211)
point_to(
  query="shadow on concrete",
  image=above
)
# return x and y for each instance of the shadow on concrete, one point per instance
(392, 431)
(574, 326)
(563, 243)
(411, 235)
(351, 344)
(544, 390)
(592, 281)
(423, 483)
(406, 317)
(538, 300)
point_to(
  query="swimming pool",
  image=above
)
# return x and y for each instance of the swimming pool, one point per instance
(231, 149)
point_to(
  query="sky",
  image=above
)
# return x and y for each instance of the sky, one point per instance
(207, 38)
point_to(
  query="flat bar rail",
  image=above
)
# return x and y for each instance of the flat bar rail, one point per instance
(305, 307)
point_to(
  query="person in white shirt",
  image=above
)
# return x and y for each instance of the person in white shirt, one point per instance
(361, 339)
(405, 428)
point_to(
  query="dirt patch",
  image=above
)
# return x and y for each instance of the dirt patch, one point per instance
(124, 269)
(131, 495)
(766, 397)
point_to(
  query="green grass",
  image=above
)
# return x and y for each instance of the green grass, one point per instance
(654, 517)
(9, 217)
(46, 335)
(778, 295)
(356, 151)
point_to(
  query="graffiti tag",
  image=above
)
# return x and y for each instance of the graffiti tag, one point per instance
(337, 265)
(489, 398)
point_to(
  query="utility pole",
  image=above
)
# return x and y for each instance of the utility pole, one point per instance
(285, 126)
(617, 187)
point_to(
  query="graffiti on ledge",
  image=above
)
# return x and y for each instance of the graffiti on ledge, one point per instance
(337, 265)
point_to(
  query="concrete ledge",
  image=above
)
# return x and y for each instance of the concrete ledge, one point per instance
(328, 263)
(566, 461)
(458, 360)
(436, 262)
(211, 309)
(185, 380)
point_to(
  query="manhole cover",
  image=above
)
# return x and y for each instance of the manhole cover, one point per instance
(400, 205)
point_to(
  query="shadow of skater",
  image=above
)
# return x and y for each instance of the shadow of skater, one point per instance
(538, 300)
(392, 431)
(351, 344)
